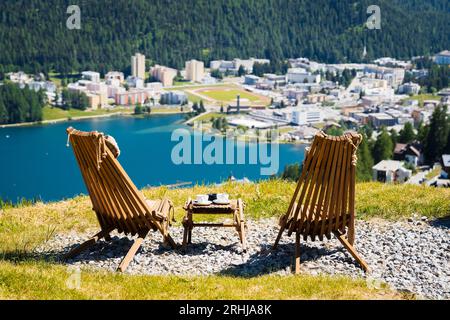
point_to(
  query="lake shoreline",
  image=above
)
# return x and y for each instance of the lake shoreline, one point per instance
(55, 121)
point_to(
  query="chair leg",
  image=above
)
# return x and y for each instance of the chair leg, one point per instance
(169, 239)
(131, 253)
(351, 250)
(93, 240)
(280, 233)
(351, 232)
(297, 252)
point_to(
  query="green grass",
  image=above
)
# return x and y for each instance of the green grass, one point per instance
(25, 226)
(433, 173)
(39, 280)
(168, 110)
(56, 78)
(229, 95)
(208, 116)
(193, 98)
(422, 97)
(218, 93)
(53, 113)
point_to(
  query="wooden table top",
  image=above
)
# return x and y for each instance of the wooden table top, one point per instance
(213, 207)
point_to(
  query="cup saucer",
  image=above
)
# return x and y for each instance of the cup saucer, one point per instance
(221, 201)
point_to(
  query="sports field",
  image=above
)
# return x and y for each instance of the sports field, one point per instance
(228, 94)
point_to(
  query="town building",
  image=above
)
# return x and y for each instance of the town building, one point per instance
(307, 115)
(381, 119)
(251, 80)
(174, 97)
(114, 77)
(389, 171)
(232, 67)
(442, 57)
(316, 98)
(138, 66)
(409, 88)
(46, 86)
(195, 70)
(394, 76)
(135, 82)
(410, 153)
(300, 75)
(91, 76)
(446, 164)
(163, 74)
(131, 97)
(19, 77)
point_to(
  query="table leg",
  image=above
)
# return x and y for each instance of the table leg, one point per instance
(190, 227)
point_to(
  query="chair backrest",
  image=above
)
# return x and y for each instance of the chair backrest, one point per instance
(115, 199)
(324, 199)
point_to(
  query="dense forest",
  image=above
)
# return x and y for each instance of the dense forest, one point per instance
(34, 36)
(20, 105)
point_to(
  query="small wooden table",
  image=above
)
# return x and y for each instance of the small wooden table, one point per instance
(235, 207)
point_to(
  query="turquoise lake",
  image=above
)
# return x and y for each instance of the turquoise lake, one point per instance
(35, 162)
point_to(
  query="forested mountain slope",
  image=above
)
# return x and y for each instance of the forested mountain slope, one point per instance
(34, 37)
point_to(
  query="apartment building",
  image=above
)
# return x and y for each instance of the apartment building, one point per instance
(91, 76)
(195, 70)
(138, 66)
(163, 74)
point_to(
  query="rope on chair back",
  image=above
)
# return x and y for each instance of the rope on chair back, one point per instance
(355, 148)
(100, 151)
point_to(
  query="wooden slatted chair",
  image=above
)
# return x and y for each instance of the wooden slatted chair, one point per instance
(324, 199)
(118, 204)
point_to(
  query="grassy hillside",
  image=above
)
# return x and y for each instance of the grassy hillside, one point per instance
(45, 281)
(24, 227)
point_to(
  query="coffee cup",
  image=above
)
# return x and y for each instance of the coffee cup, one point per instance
(222, 197)
(202, 198)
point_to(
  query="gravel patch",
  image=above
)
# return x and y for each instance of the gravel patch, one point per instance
(412, 256)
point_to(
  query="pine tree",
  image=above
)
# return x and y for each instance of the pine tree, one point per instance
(365, 161)
(241, 71)
(422, 133)
(3, 113)
(407, 134)
(437, 134)
(394, 138)
(383, 148)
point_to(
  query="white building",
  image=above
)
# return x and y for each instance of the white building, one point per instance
(232, 67)
(307, 115)
(114, 77)
(394, 76)
(91, 76)
(195, 70)
(390, 171)
(19, 77)
(138, 66)
(409, 88)
(135, 82)
(47, 86)
(300, 75)
(251, 80)
(174, 97)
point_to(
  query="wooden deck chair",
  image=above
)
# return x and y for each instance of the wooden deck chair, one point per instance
(116, 201)
(324, 199)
